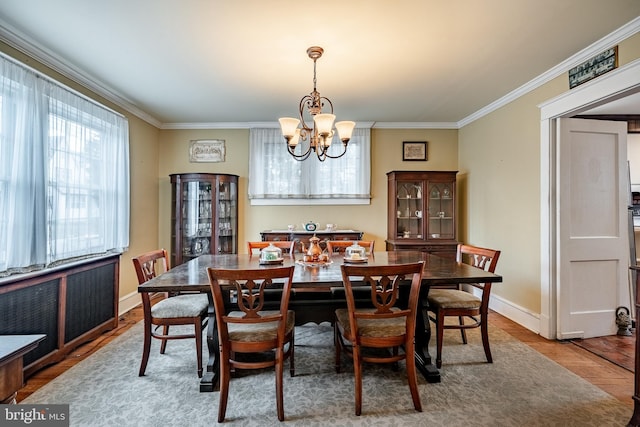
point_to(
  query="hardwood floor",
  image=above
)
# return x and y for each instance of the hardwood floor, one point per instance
(618, 349)
(608, 376)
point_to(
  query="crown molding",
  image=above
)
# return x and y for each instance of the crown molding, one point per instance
(415, 125)
(240, 125)
(622, 33)
(213, 125)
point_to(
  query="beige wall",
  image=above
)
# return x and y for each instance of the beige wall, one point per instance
(386, 155)
(499, 179)
(143, 235)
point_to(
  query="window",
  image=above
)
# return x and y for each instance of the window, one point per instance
(275, 177)
(64, 174)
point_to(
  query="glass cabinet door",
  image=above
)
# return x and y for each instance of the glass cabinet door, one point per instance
(227, 218)
(409, 206)
(196, 218)
(441, 223)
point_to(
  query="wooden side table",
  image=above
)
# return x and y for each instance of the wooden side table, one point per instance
(304, 236)
(12, 348)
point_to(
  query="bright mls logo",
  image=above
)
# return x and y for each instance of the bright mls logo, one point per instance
(34, 415)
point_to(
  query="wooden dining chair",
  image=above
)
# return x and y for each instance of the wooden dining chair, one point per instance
(387, 325)
(339, 246)
(183, 309)
(288, 247)
(247, 328)
(462, 303)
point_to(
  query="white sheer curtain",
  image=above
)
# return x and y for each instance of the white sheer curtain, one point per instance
(275, 176)
(64, 174)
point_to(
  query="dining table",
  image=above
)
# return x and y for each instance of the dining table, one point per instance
(314, 288)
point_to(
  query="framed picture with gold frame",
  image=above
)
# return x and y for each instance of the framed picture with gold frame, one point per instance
(414, 150)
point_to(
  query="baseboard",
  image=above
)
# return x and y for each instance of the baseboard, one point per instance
(515, 313)
(128, 302)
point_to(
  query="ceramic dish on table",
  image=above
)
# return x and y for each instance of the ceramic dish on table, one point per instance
(355, 260)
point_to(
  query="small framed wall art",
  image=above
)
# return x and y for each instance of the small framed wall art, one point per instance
(414, 150)
(206, 150)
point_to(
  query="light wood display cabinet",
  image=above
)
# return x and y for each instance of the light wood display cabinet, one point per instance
(204, 215)
(421, 213)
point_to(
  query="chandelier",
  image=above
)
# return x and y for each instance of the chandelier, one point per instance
(320, 136)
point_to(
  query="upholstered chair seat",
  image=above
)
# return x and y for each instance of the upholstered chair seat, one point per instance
(180, 306)
(453, 298)
(374, 328)
(249, 332)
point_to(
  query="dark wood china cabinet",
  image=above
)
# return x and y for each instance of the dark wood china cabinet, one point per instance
(204, 215)
(421, 212)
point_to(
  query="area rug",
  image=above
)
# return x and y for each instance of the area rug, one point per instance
(521, 388)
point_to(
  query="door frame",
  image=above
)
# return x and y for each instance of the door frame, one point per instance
(614, 85)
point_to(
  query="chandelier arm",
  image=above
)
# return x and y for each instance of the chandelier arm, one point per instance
(329, 101)
(299, 157)
(344, 151)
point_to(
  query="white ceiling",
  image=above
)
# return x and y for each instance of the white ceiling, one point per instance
(402, 61)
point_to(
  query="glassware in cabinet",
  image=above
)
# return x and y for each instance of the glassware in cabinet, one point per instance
(409, 210)
(441, 223)
(203, 215)
(227, 217)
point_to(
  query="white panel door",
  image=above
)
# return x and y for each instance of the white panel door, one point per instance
(593, 252)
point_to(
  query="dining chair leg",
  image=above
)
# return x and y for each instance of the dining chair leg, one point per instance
(198, 335)
(412, 377)
(395, 366)
(225, 373)
(146, 348)
(463, 332)
(279, 375)
(484, 330)
(165, 332)
(439, 337)
(357, 370)
(292, 353)
(337, 344)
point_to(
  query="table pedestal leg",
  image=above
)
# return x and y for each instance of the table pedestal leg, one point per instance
(423, 358)
(210, 378)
